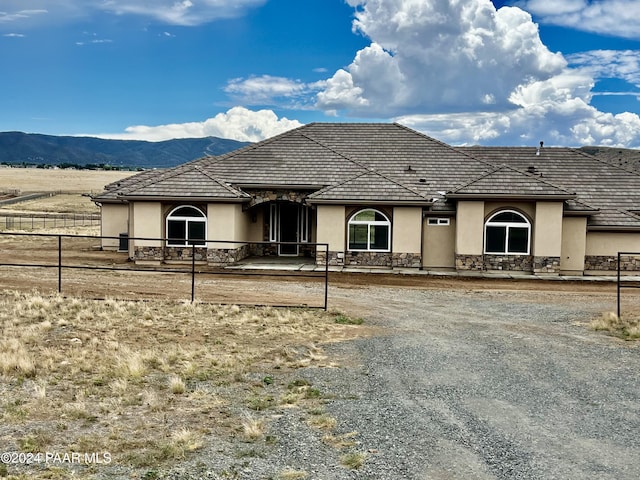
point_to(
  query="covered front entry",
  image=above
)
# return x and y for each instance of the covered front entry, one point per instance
(288, 222)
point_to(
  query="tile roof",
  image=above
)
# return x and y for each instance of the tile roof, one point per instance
(505, 181)
(391, 163)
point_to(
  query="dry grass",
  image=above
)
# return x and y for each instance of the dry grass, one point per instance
(134, 378)
(627, 327)
(40, 180)
(353, 460)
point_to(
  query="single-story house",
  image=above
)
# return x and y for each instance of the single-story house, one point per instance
(387, 196)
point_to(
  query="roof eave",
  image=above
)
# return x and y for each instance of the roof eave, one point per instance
(613, 228)
(416, 203)
(163, 198)
(271, 186)
(507, 196)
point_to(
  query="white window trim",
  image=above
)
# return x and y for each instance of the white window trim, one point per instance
(508, 226)
(438, 221)
(187, 220)
(369, 223)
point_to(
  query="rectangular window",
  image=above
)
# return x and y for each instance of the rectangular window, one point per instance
(303, 223)
(518, 240)
(496, 239)
(196, 233)
(438, 221)
(176, 232)
(273, 222)
(379, 237)
(358, 237)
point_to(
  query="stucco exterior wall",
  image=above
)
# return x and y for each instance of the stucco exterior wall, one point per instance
(574, 242)
(439, 245)
(331, 226)
(227, 221)
(406, 230)
(470, 228)
(547, 229)
(115, 220)
(147, 222)
(610, 243)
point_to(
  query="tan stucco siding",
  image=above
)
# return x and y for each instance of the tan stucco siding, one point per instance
(114, 221)
(547, 229)
(331, 226)
(227, 221)
(610, 243)
(439, 245)
(255, 228)
(470, 228)
(528, 208)
(574, 242)
(148, 222)
(407, 229)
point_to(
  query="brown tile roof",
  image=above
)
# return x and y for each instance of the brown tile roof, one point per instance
(391, 163)
(505, 182)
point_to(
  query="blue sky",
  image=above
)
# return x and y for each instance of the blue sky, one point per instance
(464, 71)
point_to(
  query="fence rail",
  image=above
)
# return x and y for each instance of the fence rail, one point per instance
(63, 258)
(26, 221)
(619, 284)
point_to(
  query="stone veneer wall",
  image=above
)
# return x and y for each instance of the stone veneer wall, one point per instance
(184, 253)
(370, 259)
(220, 257)
(546, 265)
(507, 263)
(608, 262)
(470, 262)
(153, 254)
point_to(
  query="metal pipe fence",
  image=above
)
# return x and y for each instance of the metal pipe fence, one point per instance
(62, 255)
(24, 221)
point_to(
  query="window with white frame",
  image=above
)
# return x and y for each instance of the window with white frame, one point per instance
(186, 226)
(438, 221)
(507, 232)
(369, 230)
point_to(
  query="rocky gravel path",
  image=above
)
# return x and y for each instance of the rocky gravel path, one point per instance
(460, 384)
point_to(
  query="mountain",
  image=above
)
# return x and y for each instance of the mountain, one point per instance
(625, 157)
(18, 148)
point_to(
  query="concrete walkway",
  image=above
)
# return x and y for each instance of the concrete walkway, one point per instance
(303, 264)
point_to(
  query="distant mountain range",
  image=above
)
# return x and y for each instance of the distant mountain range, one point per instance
(18, 148)
(31, 148)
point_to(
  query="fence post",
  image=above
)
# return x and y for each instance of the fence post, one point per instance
(326, 278)
(193, 273)
(59, 263)
(618, 285)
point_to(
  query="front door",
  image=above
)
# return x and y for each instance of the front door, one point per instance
(288, 228)
(289, 223)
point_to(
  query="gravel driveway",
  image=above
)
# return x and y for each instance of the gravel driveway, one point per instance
(464, 384)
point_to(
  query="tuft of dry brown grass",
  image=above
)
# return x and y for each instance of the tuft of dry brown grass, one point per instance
(627, 327)
(112, 375)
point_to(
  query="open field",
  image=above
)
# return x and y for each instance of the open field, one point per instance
(63, 203)
(41, 180)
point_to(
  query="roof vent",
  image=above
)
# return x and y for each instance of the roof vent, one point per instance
(532, 169)
(423, 180)
(409, 170)
(539, 148)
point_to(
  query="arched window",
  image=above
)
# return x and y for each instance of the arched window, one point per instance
(369, 230)
(186, 226)
(507, 232)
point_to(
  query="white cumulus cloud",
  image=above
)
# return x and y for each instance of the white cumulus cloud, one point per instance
(238, 123)
(606, 17)
(467, 73)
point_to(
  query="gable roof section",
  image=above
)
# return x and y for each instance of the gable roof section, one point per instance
(370, 187)
(613, 190)
(187, 182)
(505, 182)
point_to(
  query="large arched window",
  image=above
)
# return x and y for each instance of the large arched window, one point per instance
(186, 226)
(507, 232)
(369, 230)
